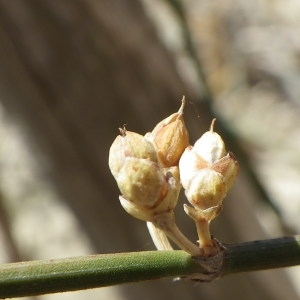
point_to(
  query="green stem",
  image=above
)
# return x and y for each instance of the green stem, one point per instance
(262, 255)
(51, 276)
(41, 277)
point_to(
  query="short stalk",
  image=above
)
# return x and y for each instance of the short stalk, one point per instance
(204, 233)
(166, 222)
(159, 238)
(206, 243)
(202, 220)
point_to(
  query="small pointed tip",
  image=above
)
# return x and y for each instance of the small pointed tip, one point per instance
(180, 111)
(212, 125)
(123, 131)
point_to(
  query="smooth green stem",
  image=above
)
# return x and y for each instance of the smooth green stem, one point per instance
(41, 277)
(51, 276)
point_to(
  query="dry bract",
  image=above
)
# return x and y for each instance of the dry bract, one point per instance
(170, 137)
(210, 146)
(206, 189)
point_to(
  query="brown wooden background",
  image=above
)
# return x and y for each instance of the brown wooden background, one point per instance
(71, 73)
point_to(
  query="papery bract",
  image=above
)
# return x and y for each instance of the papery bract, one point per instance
(170, 137)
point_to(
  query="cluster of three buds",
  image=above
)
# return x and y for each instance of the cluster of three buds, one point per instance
(150, 171)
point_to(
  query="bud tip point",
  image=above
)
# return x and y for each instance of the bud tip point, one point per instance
(212, 125)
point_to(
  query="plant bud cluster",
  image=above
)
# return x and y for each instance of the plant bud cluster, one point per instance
(146, 167)
(150, 171)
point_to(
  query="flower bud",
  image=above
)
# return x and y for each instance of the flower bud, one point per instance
(151, 194)
(141, 181)
(170, 137)
(207, 172)
(147, 189)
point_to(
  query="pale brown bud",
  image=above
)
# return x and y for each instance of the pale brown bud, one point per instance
(141, 181)
(147, 188)
(146, 191)
(207, 172)
(170, 137)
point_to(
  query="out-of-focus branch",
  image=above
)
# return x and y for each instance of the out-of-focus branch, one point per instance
(5, 224)
(207, 104)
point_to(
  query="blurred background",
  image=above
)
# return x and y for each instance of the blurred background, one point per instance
(72, 72)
